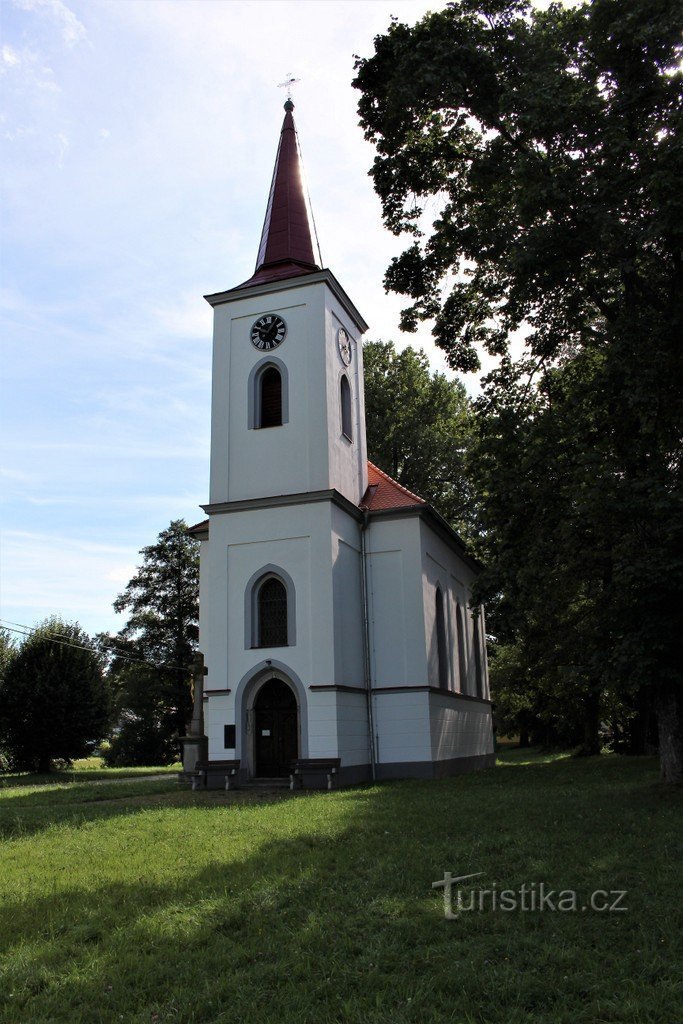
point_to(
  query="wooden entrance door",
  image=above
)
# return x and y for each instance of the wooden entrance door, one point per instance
(276, 729)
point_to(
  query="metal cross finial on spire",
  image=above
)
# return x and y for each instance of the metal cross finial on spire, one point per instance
(289, 81)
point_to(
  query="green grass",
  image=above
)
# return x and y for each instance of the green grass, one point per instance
(88, 769)
(153, 904)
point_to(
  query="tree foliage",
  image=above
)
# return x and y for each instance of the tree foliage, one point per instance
(419, 429)
(151, 671)
(53, 700)
(550, 140)
(546, 145)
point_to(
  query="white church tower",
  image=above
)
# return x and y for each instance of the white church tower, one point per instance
(326, 636)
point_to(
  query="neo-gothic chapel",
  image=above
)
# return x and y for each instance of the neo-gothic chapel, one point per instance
(335, 627)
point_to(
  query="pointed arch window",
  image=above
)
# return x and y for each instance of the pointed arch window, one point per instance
(462, 663)
(441, 645)
(271, 613)
(345, 402)
(476, 640)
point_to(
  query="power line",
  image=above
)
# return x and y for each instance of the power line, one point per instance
(64, 641)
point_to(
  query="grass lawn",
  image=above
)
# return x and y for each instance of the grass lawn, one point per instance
(87, 769)
(146, 903)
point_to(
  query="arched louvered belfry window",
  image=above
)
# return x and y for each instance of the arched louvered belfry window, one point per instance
(441, 645)
(345, 400)
(271, 608)
(270, 397)
(462, 663)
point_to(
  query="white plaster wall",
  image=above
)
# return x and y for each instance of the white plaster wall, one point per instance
(308, 452)
(459, 728)
(398, 653)
(441, 565)
(402, 722)
(295, 539)
(348, 460)
(348, 606)
(322, 724)
(301, 540)
(218, 711)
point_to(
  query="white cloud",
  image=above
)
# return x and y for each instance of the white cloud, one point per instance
(46, 574)
(63, 142)
(189, 317)
(17, 475)
(121, 573)
(20, 132)
(73, 31)
(10, 57)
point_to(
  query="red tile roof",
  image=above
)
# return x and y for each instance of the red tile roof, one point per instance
(384, 493)
(199, 527)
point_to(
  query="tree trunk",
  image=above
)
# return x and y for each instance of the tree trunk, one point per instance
(524, 738)
(44, 765)
(591, 723)
(669, 715)
(639, 729)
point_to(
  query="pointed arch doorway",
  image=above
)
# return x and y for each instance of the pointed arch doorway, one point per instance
(276, 729)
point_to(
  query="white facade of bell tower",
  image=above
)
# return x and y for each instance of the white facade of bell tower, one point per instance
(310, 450)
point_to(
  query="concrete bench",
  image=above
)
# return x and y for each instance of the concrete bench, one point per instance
(205, 770)
(314, 768)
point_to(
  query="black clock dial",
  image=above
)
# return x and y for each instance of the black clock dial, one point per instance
(268, 332)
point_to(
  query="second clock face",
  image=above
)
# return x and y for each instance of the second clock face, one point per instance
(344, 345)
(268, 332)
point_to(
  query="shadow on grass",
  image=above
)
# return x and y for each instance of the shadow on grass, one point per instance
(321, 909)
(10, 780)
(29, 813)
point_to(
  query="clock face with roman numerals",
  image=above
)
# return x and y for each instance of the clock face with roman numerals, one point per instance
(344, 346)
(268, 332)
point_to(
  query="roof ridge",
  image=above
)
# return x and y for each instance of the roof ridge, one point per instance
(391, 480)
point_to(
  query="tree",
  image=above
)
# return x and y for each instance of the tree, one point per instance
(7, 652)
(152, 664)
(550, 143)
(419, 429)
(53, 700)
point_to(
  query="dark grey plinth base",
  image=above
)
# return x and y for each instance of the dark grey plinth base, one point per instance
(435, 769)
(357, 774)
(353, 775)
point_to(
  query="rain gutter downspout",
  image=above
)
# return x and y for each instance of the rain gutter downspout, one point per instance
(366, 645)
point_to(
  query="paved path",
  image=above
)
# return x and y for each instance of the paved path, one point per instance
(159, 777)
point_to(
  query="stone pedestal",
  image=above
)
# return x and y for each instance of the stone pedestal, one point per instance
(195, 748)
(196, 744)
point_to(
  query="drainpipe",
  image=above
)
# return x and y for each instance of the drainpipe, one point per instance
(366, 645)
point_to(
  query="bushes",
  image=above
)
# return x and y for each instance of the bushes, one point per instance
(53, 700)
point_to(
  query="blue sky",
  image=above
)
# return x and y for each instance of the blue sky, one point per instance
(138, 141)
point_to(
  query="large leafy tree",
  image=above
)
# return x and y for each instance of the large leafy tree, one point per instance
(547, 143)
(53, 699)
(419, 429)
(153, 654)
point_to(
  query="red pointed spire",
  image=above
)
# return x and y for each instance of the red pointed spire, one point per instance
(286, 248)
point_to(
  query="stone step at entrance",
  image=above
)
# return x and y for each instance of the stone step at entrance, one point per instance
(265, 783)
